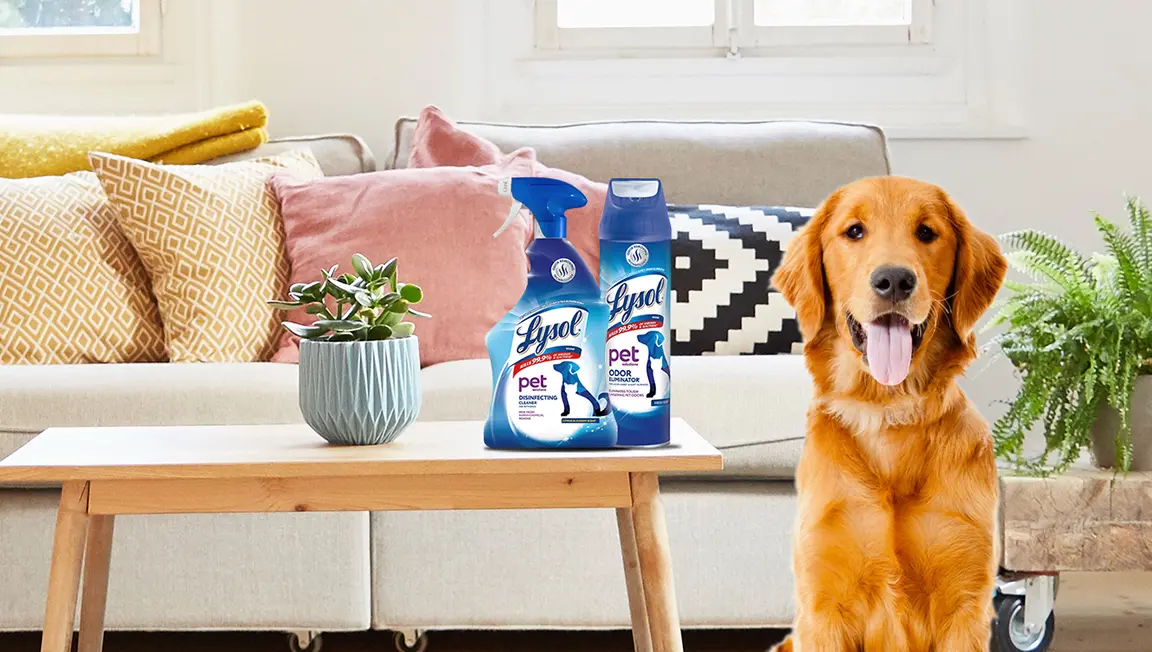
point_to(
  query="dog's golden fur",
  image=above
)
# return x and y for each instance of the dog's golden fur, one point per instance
(894, 548)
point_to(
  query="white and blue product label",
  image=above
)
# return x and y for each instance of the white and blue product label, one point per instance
(555, 392)
(636, 278)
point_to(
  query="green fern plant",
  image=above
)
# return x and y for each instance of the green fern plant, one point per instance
(1079, 334)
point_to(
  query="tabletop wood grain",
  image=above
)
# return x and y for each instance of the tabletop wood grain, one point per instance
(295, 451)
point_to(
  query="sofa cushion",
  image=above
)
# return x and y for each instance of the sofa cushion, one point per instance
(338, 154)
(438, 141)
(469, 278)
(560, 568)
(722, 299)
(33, 398)
(72, 288)
(750, 407)
(212, 240)
(779, 163)
(198, 571)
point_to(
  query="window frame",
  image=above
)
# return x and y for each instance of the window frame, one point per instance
(89, 42)
(734, 29)
(965, 84)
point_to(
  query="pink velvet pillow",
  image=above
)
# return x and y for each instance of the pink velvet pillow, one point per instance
(438, 141)
(438, 221)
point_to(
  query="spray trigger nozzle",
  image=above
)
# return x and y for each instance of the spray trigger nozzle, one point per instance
(546, 199)
(516, 206)
(504, 189)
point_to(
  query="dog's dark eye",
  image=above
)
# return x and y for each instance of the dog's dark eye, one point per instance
(925, 234)
(855, 232)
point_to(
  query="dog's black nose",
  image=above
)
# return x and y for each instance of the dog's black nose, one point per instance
(893, 283)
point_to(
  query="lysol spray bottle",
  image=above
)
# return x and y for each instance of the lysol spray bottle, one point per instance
(547, 353)
(636, 279)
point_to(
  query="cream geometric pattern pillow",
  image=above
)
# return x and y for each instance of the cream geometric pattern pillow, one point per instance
(72, 289)
(212, 240)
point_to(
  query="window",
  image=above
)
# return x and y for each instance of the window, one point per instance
(831, 12)
(919, 68)
(79, 28)
(727, 25)
(638, 13)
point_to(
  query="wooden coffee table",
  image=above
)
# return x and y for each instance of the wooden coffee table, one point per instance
(288, 468)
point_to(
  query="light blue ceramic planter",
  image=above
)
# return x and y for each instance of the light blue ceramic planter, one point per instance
(360, 393)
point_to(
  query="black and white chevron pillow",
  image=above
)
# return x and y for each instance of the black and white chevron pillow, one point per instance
(723, 258)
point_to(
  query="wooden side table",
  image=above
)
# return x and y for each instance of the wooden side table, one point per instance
(228, 469)
(1083, 520)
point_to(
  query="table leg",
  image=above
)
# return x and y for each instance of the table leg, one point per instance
(94, 596)
(655, 563)
(641, 637)
(64, 576)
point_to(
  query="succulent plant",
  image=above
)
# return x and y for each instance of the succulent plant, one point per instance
(367, 305)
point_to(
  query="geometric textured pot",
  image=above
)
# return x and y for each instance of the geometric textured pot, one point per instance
(360, 393)
(1108, 422)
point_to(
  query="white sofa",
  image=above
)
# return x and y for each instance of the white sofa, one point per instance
(730, 532)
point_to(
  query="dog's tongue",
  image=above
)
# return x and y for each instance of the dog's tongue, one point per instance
(889, 350)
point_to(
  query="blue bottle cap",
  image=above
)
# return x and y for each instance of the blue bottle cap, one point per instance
(635, 210)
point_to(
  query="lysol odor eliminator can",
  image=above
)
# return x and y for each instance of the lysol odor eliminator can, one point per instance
(636, 280)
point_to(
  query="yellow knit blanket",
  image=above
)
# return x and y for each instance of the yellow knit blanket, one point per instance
(37, 146)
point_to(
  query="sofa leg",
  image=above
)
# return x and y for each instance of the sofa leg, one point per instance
(410, 640)
(305, 641)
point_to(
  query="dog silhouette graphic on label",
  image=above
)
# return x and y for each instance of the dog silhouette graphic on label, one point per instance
(568, 377)
(654, 340)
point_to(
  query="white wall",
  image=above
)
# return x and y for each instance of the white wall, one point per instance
(355, 65)
(1087, 101)
(1085, 89)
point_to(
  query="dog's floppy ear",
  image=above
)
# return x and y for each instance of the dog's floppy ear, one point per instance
(976, 277)
(800, 277)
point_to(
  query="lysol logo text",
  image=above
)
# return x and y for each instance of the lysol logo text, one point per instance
(624, 300)
(538, 335)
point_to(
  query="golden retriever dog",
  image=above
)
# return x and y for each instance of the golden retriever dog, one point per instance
(897, 485)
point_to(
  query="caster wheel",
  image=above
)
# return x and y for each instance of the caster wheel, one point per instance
(1008, 633)
(297, 645)
(401, 642)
